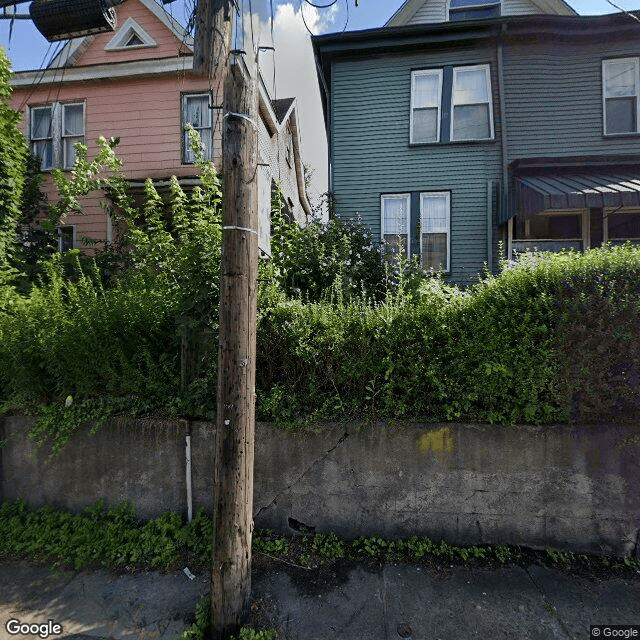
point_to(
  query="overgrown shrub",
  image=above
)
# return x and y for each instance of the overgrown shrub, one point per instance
(551, 338)
(336, 260)
(13, 154)
(518, 347)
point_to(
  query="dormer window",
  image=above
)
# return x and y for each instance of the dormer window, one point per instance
(473, 9)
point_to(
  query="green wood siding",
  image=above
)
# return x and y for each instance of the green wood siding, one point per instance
(370, 111)
(554, 99)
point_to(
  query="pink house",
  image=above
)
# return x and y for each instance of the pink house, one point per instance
(137, 84)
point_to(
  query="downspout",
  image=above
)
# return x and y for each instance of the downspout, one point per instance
(187, 425)
(327, 95)
(504, 200)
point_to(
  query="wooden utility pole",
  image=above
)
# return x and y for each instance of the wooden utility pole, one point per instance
(235, 427)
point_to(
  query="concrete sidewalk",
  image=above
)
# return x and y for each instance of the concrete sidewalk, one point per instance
(347, 601)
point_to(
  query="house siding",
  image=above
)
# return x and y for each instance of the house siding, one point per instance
(519, 8)
(554, 99)
(370, 116)
(430, 12)
(167, 45)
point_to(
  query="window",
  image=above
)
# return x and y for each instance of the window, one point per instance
(395, 224)
(471, 117)
(54, 131)
(621, 83)
(66, 235)
(451, 104)
(130, 35)
(41, 135)
(473, 9)
(434, 230)
(196, 111)
(426, 92)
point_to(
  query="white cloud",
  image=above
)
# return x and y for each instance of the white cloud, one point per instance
(295, 76)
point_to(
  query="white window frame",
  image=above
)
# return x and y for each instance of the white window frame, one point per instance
(605, 63)
(58, 159)
(396, 196)
(446, 229)
(208, 154)
(417, 74)
(487, 70)
(129, 28)
(65, 164)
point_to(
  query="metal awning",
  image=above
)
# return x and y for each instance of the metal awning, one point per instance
(541, 192)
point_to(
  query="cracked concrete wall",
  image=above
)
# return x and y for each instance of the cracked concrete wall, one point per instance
(566, 487)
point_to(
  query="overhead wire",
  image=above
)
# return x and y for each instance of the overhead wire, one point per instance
(631, 15)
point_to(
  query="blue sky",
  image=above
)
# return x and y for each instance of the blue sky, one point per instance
(295, 74)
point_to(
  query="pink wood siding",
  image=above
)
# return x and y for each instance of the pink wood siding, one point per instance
(145, 113)
(168, 45)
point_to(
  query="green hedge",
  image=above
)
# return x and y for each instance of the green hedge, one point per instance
(549, 335)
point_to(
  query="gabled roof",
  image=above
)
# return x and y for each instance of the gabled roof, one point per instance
(282, 107)
(411, 7)
(76, 47)
(276, 115)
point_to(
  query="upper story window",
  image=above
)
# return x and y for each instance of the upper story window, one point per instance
(196, 111)
(131, 35)
(451, 104)
(473, 9)
(471, 115)
(620, 88)
(53, 132)
(426, 96)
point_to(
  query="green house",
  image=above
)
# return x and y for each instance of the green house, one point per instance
(465, 124)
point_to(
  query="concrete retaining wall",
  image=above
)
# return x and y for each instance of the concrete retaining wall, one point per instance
(566, 487)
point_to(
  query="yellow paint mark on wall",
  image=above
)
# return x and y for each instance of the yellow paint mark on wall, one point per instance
(440, 440)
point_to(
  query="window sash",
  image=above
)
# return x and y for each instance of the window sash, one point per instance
(41, 135)
(621, 95)
(395, 222)
(426, 100)
(196, 111)
(435, 230)
(472, 99)
(66, 237)
(72, 131)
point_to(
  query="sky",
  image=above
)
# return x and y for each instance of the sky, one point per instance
(295, 74)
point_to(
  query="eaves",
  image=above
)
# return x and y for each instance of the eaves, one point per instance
(136, 68)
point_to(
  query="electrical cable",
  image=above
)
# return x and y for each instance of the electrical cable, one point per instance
(321, 6)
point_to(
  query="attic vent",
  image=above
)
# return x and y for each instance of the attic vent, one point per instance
(130, 35)
(63, 19)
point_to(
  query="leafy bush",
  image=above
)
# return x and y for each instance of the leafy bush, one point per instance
(336, 260)
(517, 347)
(13, 154)
(113, 344)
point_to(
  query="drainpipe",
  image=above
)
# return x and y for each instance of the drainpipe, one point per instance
(187, 425)
(504, 201)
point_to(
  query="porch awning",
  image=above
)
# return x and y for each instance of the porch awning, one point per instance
(576, 191)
